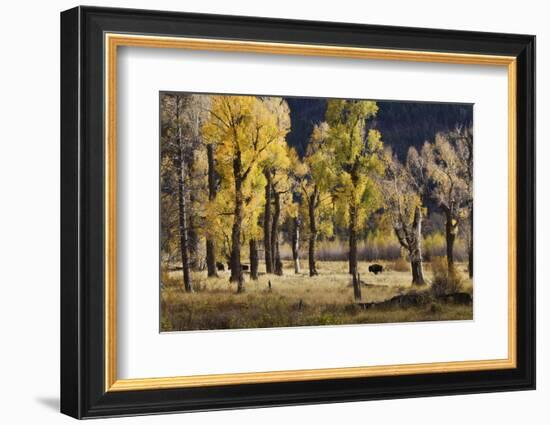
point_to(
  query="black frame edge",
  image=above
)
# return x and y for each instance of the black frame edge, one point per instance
(526, 210)
(70, 383)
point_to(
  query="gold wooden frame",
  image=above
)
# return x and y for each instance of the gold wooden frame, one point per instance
(113, 41)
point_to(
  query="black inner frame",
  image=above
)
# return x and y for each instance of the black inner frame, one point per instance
(82, 212)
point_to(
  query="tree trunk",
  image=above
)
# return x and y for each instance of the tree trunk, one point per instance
(267, 225)
(180, 169)
(471, 245)
(192, 235)
(353, 221)
(296, 244)
(311, 256)
(193, 239)
(356, 280)
(353, 235)
(277, 264)
(253, 246)
(353, 240)
(312, 234)
(236, 270)
(417, 274)
(210, 246)
(353, 252)
(183, 233)
(211, 259)
(415, 253)
(451, 227)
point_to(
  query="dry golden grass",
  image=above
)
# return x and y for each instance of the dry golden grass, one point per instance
(400, 265)
(294, 300)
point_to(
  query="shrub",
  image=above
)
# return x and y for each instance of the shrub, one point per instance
(332, 250)
(434, 245)
(371, 249)
(444, 283)
(435, 308)
(168, 280)
(378, 247)
(400, 265)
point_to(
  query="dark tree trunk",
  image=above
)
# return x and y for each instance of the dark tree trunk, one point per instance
(353, 246)
(415, 252)
(353, 212)
(253, 246)
(417, 274)
(470, 169)
(183, 234)
(353, 222)
(193, 238)
(353, 240)
(180, 169)
(356, 280)
(312, 233)
(296, 244)
(471, 245)
(210, 246)
(236, 271)
(211, 258)
(192, 235)
(277, 263)
(267, 225)
(311, 256)
(451, 227)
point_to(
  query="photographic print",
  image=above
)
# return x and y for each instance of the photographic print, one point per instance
(292, 211)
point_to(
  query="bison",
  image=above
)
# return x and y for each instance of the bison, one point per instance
(244, 267)
(376, 268)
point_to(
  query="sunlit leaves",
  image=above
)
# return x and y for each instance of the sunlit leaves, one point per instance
(355, 159)
(252, 129)
(447, 170)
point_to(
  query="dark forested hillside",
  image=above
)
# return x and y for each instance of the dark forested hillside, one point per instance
(402, 124)
(304, 114)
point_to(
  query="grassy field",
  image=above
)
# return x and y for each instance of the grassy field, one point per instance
(300, 300)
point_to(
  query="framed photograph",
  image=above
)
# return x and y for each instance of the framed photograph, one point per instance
(261, 212)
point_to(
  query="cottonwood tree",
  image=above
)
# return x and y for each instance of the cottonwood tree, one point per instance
(213, 183)
(200, 117)
(297, 172)
(316, 181)
(194, 116)
(463, 140)
(275, 166)
(268, 255)
(281, 186)
(356, 153)
(403, 187)
(219, 219)
(446, 170)
(220, 213)
(169, 217)
(243, 128)
(253, 192)
(296, 224)
(172, 127)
